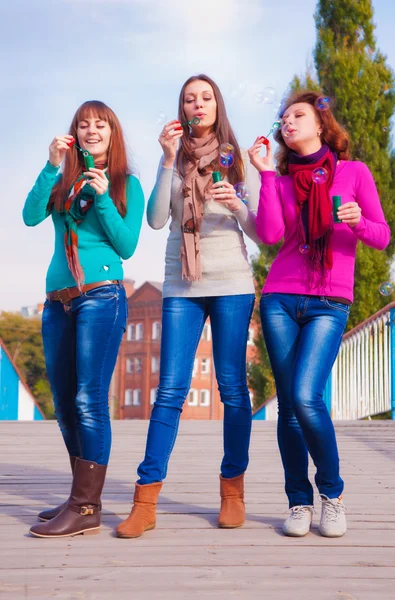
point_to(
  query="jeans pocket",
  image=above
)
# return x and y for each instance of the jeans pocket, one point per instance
(103, 292)
(267, 295)
(338, 306)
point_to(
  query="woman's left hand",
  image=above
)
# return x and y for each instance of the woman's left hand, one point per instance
(350, 213)
(98, 180)
(224, 193)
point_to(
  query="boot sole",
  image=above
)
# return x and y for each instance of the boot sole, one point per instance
(93, 531)
(223, 526)
(132, 537)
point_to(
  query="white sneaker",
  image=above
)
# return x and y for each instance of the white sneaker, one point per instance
(333, 517)
(299, 521)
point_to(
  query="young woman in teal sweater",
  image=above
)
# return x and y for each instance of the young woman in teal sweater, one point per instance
(97, 213)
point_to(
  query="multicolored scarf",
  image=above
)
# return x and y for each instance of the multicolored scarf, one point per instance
(197, 183)
(80, 199)
(314, 205)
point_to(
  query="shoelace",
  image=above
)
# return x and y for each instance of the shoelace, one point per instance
(298, 512)
(333, 508)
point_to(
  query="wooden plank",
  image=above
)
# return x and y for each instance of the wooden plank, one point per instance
(187, 556)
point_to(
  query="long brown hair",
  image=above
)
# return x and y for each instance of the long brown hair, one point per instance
(333, 134)
(222, 130)
(117, 163)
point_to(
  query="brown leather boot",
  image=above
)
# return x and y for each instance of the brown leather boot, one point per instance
(51, 513)
(82, 512)
(143, 515)
(232, 513)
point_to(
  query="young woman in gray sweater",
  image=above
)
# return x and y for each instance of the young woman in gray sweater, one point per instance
(207, 275)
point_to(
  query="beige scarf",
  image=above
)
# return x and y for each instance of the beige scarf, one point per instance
(197, 183)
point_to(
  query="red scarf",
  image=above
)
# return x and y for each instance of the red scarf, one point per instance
(319, 205)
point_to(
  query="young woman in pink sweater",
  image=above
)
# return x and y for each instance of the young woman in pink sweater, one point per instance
(307, 295)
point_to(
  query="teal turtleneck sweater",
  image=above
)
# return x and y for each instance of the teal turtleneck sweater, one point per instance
(104, 237)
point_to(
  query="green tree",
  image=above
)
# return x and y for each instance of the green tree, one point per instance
(24, 342)
(353, 72)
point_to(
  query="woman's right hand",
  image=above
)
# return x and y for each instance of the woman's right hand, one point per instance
(168, 139)
(58, 149)
(259, 162)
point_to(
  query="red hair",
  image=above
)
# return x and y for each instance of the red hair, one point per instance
(333, 134)
(222, 130)
(117, 163)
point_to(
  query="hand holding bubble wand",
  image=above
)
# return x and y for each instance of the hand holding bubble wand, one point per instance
(87, 156)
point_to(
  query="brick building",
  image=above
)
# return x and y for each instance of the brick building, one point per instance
(137, 370)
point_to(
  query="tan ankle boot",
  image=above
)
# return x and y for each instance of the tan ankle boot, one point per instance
(51, 513)
(232, 513)
(82, 511)
(143, 515)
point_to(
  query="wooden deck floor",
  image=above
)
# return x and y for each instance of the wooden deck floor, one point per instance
(187, 557)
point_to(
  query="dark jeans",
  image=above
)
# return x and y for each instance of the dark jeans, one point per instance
(303, 335)
(81, 343)
(182, 325)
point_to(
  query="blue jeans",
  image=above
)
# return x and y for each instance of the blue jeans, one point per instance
(81, 343)
(182, 325)
(303, 335)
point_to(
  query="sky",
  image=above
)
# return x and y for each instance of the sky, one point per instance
(134, 55)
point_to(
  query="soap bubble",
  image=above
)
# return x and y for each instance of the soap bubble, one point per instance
(226, 161)
(320, 175)
(226, 150)
(276, 125)
(386, 288)
(323, 103)
(238, 90)
(241, 190)
(386, 129)
(304, 248)
(266, 96)
(160, 118)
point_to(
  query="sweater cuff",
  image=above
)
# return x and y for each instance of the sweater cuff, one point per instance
(267, 176)
(360, 227)
(103, 200)
(241, 213)
(50, 169)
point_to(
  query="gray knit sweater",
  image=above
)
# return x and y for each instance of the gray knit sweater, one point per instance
(224, 259)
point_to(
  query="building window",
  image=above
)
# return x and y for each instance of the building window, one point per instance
(139, 331)
(204, 398)
(205, 366)
(132, 397)
(251, 336)
(193, 398)
(155, 364)
(129, 365)
(138, 365)
(156, 330)
(131, 332)
(206, 335)
(195, 367)
(136, 397)
(152, 396)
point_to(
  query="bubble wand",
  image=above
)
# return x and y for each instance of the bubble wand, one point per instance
(276, 125)
(88, 158)
(194, 121)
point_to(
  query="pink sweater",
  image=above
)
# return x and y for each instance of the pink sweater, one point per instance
(276, 219)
